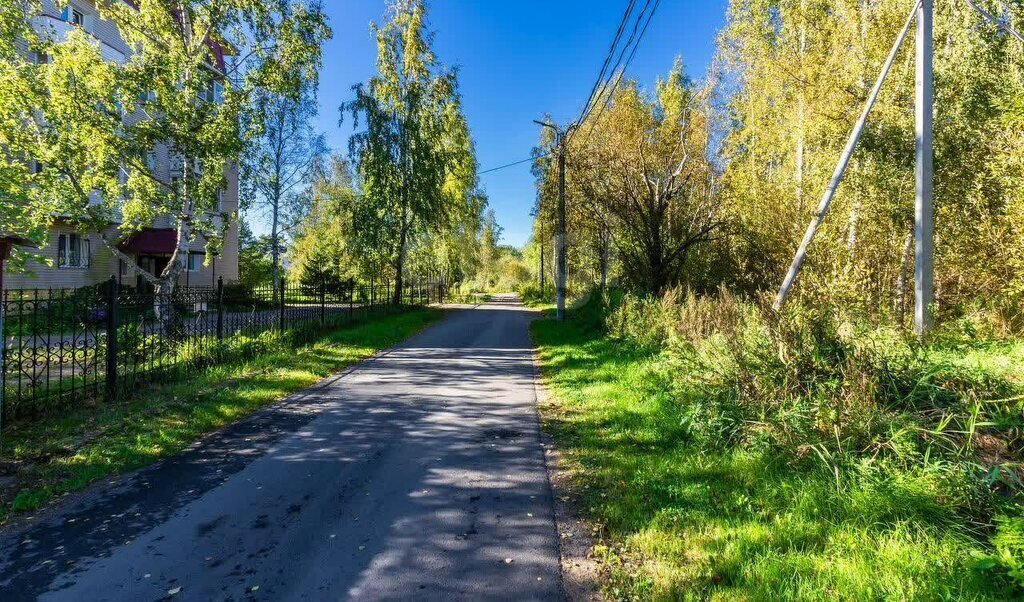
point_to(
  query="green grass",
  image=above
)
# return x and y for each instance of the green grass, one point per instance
(677, 520)
(68, 452)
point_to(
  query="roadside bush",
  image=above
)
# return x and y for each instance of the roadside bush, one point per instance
(822, 389)
(531, 294)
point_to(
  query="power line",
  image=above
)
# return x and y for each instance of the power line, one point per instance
(601, 76)
(493, 169)
(603, 83)
(625, 67)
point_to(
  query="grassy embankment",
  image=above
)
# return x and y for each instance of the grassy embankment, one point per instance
(67, 452)
(722, 456)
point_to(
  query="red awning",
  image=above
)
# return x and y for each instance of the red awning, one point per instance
(151, 241)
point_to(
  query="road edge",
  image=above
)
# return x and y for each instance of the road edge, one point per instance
(580, 571)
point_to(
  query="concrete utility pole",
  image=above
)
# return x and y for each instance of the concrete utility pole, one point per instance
(924, 204)
(560, 247)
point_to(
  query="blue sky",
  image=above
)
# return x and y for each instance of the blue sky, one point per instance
(517, 61)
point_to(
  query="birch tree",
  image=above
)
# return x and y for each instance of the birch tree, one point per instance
(409, 116)
(276, 167)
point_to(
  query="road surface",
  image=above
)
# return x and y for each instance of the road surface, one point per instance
(419, 475)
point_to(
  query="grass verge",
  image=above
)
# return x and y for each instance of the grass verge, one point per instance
(677, 520)
(66, 453)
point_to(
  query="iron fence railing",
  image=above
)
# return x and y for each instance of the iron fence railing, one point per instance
(62, 348)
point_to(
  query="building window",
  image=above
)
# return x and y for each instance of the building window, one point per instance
(214, 92)
(196, 261)
(73, 251)
(78, 16)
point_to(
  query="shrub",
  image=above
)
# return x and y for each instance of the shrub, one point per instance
(531, 294)
(818, 386)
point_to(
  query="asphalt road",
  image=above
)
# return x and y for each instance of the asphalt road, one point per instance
(419, 475)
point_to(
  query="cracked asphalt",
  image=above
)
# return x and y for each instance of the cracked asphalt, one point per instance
(418, 475)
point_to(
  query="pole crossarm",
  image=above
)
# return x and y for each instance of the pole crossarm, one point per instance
(995, 20)
(844, 162)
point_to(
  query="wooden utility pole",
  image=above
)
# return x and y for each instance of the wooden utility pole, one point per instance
(541, 243)
(560, 259)
(924, 204)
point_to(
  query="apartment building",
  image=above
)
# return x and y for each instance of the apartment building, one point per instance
(73, 259)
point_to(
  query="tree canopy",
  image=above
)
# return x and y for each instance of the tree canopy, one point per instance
(712, 183)
(412, 152)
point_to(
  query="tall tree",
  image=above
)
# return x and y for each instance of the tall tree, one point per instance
(642, 178)
(93, 121)
(284, 150)
(408, 150)
(254, 267)
(325, 232)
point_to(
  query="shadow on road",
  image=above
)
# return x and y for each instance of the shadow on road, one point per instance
(420, 475)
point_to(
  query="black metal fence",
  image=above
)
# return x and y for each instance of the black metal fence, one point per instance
(61, 347)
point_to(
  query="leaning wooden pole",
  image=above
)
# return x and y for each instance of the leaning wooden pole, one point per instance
(844, 162)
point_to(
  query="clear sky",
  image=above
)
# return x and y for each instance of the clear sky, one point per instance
(517, 60)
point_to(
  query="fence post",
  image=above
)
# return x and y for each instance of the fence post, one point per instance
(220, 309)
(323, 302)
(281, 297)
(352, 302)
(112, 298)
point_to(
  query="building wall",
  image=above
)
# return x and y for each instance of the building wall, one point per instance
(42, 270)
